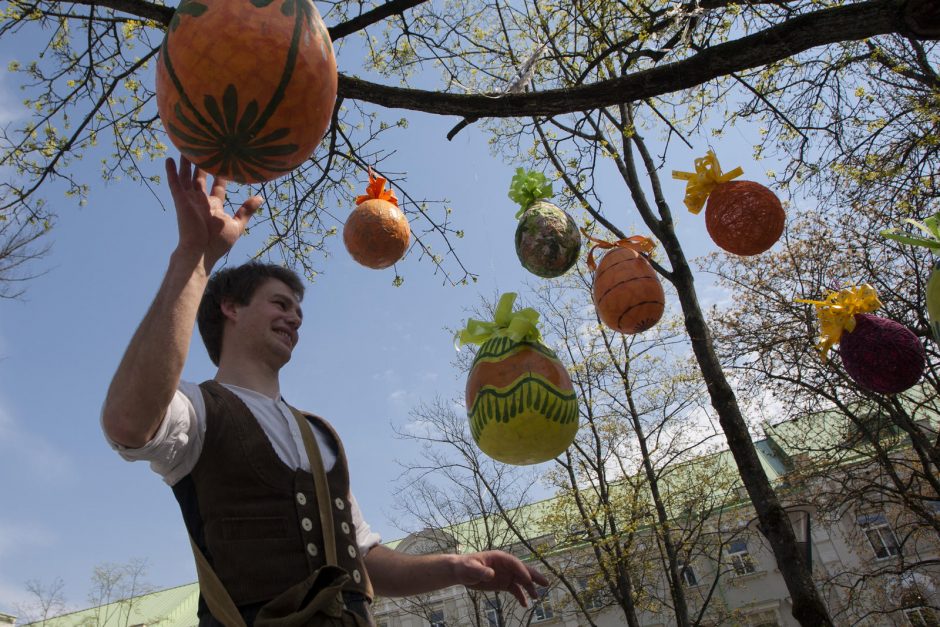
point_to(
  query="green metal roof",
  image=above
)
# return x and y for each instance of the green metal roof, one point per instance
(535, 520)
(175, 607)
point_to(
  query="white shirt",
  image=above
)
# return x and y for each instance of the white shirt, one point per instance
(175, 447)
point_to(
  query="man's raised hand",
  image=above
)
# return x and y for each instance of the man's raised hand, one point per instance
(205, 228)
(499, 571)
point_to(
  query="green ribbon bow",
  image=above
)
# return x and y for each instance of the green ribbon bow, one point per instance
(519, 326)
(930, 226)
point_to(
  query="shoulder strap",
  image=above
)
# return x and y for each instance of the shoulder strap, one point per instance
(324, 500)
(217, 597)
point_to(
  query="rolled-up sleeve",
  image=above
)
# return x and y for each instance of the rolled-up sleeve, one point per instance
(365, 537)
(175, 447)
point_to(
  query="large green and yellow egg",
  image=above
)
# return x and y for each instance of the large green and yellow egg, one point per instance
(520, 402)
(933, 301)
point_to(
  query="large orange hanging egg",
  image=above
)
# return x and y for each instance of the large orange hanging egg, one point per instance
(628, 296)
(744, 217)
(376, 233)
(520, 402)
(246, 88)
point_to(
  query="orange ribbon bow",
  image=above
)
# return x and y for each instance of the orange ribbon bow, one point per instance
(639, 243)
(376, 190)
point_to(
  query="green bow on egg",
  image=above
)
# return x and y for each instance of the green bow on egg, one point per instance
(930, 226)
(519, 326)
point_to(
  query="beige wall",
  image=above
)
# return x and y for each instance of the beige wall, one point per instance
(757, 598)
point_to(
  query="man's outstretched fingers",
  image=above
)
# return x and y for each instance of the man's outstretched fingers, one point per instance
(517, 591)
(172, 177)
(184, 174)
(534, 578)
(218, 187)
(248, 209)
(199, 181)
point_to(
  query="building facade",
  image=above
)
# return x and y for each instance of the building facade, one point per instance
(874, 552)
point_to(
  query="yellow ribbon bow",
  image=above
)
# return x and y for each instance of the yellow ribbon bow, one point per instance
(837, 313)
(701, 182)
(639, 243)
(518, 326)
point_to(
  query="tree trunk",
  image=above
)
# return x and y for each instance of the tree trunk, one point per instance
(808, 607)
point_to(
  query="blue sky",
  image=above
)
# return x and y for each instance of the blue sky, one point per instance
(369, 352)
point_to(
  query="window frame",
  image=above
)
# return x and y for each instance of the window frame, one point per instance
(591, 601)
(926, 616)
(436, 617)
(740, 559)
(493, 609)
(877, 524)
(543, 604)
(687, 572)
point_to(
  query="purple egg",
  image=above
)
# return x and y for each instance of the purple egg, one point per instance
(882, 355)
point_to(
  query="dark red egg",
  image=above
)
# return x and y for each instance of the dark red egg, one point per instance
(882, 355)
(743, 217)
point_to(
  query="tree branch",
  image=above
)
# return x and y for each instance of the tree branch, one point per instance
(162, 14)
(379, 13)
(847, 23)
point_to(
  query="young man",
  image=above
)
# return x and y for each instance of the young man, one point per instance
(233, 450)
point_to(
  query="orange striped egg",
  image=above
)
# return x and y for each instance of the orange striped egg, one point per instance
(627, 293)
(520, 402)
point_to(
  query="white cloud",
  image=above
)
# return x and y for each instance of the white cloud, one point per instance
(422, 429)
(31, 452)
(388, 376)
(18, 536)
(397, 396)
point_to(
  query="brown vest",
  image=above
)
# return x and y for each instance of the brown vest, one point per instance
(255, 519)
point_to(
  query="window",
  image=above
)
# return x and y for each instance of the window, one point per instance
(591, 599)
(542, 608)
(576, 531)
(740, 558)
(763, 619)
(882, 538)
(687, 573)
(493, 611)
(922, 617)
(436, 619)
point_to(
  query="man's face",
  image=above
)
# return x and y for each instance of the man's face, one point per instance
(269, 323)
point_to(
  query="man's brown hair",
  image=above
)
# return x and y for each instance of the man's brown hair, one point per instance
(236, 285)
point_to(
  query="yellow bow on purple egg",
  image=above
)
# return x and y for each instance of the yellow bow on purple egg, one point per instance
(837, 313)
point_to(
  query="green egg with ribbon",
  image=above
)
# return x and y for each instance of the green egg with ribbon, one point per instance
(520, 401)
(930, 238)
(548, 241)
(933, 300)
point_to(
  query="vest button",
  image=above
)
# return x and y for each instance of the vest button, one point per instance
(356, 576)
(352, 551)
(344, 527)
(301, 498)
(312, 549)
(339, 503)
(307, 524)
